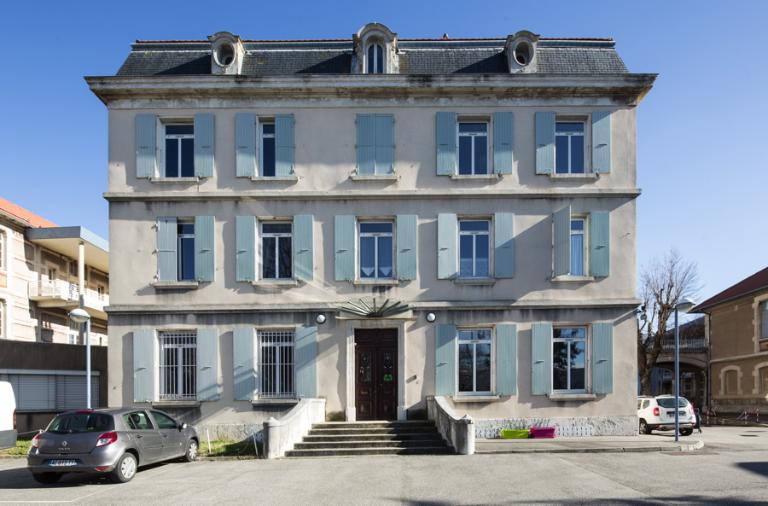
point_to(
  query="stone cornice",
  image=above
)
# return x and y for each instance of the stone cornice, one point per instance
(621, 88)
(183, 196)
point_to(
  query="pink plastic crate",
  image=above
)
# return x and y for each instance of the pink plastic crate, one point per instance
(542, 432)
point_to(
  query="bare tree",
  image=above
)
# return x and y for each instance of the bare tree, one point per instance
(663, 282)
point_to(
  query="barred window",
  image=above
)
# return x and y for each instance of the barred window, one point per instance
(276, 363)
(178, 365)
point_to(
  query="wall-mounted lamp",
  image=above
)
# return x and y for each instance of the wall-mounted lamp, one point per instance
(320, 319)
(431, 317)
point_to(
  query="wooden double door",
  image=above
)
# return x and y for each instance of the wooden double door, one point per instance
(376, 374)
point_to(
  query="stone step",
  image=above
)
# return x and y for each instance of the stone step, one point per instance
(413, 443)
(374, 424)
(348, 452)
(372, 430)
(432, 436)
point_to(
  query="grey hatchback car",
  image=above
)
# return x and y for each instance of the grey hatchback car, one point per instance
(110, 441)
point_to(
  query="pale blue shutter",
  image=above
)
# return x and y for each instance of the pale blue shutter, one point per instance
(503, 142)
(601, 142)
(306, 357)
(445, 128)
(406, 246)
(545, 142)
(204, 248)
(445, 359)
(146, 144)
(208, 387)
(284, 144)
(245, 244)
(561, 231)
(366, 144)
(205, 134)
(144, 366)
(303, 262)
(167, 234)
(541, 358)
(504, 245)
(385, 144)
(602, 358)
(506, 359)
(447, 237)
(599, 243)
(243, 363)
(344, 247)
(245, 144)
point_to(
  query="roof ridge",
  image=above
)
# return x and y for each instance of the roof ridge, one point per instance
(415, 39)
(750, 284)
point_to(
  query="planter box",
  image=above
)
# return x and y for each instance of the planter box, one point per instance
(542, 432)
(514, 433)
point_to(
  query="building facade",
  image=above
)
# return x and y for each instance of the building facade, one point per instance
(44, 269)
(737, 330)
(374, 221)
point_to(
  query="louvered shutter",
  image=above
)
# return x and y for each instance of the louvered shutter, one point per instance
(284, 145)
(245, 144)
(545, 142)
(406, 245)
(445, 128)
(204, 248)
(208, 386)
(385, 144)
(599, 244)
(144, 366)
(601, 142)
(561, 230)
(205, 135)
(303, 238)
(447, 237)
(506, 359)
(146, 145)
(503, 142)
(344, 248)
(245, 244)
(541, 358)
(244, 363)
(602, 358)
(366, 144)
(306, 358)
(445, 359)
(504, 245)
(167, 234)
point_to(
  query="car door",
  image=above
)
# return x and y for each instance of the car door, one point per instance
(174, 444)
(148, 438)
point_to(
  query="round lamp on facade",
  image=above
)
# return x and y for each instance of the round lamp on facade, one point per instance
(320, 319)
(431, 317)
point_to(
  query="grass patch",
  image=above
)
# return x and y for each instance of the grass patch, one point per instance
(229, 448)
(20, 450)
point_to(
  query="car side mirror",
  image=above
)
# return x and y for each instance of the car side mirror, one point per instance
(183, 426)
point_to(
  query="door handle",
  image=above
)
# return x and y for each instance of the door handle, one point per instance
(139, 436)
(165, 435)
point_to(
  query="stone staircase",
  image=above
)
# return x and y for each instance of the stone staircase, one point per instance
(334, 439)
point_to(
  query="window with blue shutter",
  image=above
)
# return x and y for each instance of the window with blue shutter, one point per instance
(204, 248)
(208, 385)
(447, 254)
(284, 145)
(306, 358)
(506, 359)
(406, 245)
(303, 238)
(375, 144)
(545, 142)
(601, 142)
(599, 243)
(541, 358)
(245, 144)
(167, 234)
(503, 142)
(146, 145)
(445, 143)
(244, 363)
(561, 231)
(205, 134)
(344, 248)
(245, 243)
(144, 366)
(445, 359)
(504, 245)
(602, 358)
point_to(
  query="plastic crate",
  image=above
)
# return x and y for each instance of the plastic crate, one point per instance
(514, 433)
(542, 432)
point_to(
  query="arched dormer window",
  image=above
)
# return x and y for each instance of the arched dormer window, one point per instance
(374, 59)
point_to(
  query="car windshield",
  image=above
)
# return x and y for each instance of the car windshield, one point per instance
(669, 402)
(72, 423)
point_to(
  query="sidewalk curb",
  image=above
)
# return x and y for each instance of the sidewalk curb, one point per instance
(681, 447)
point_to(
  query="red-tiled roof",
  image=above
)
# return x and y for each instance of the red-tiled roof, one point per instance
(753, 283)
(24, 215)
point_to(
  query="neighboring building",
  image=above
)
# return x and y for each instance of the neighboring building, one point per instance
(737, 332)
(265, 195)
(41, 351)
(693, 364)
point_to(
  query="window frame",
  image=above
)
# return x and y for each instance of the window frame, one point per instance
(3, 318)
(376, 45)
(180, 251)
(587, 365)
(180, 395)
(492, 342)
(474, 247)
(488, 147)
(584, 218)
(260, 367)
(260, 235)
(162, 133)
(3, 254)
(260, 136)
(584, 120)
(376, 235)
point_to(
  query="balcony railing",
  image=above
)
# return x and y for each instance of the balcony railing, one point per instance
(66, 294)
(687, 345)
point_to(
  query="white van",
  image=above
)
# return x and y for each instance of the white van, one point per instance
(7, 416)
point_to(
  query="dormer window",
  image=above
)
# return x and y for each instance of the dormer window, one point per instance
(375, 59)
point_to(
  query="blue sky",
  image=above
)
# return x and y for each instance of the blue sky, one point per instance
(701, 129)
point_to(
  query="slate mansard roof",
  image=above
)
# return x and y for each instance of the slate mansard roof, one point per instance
(416, 57)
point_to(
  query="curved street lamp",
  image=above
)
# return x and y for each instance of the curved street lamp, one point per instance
(80, 316)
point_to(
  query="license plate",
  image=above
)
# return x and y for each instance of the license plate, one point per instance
(62, 463)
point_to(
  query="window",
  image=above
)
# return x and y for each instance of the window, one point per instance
(179, 150)
(78, 423)
(731, 382)
(72, 338)
(138, 420)
(376, 253)
(2, 251)
(762, 387)
(276, 251)
(2, 318)
(186, 251)
(267, 148)
(475, 361)
(578, 245)
(474, 248)
(178, 365)
(375, 59)
(569, 351)
(164, 421)
(473, 148)
(276, 363)
(764, 320)
(569, 147)
(100, 292)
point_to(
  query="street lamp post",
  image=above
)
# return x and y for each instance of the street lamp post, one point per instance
(684, 305)
(80, 316)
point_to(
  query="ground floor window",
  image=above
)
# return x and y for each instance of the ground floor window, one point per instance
(51, 392)
(569, 363)
(276, 364)
(178, 365)
(474, 361)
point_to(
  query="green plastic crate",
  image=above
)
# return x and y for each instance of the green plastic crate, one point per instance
(515, 433)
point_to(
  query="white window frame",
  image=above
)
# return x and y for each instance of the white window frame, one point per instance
(587, 365)
(474, 248)
(260, 143)
(179, 340)
(180, 250)
(261, 236)
(284, 334)
(164, 123)
(585, 243)
(376, 236)
(376, 57)
(459, 135)
(584, 134)
(491, 340)
(3, 318)
(3, 254)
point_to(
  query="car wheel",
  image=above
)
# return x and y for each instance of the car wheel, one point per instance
(192, 449)
(46, 478)
(644, 427)
(686, 432)
(125, 469)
